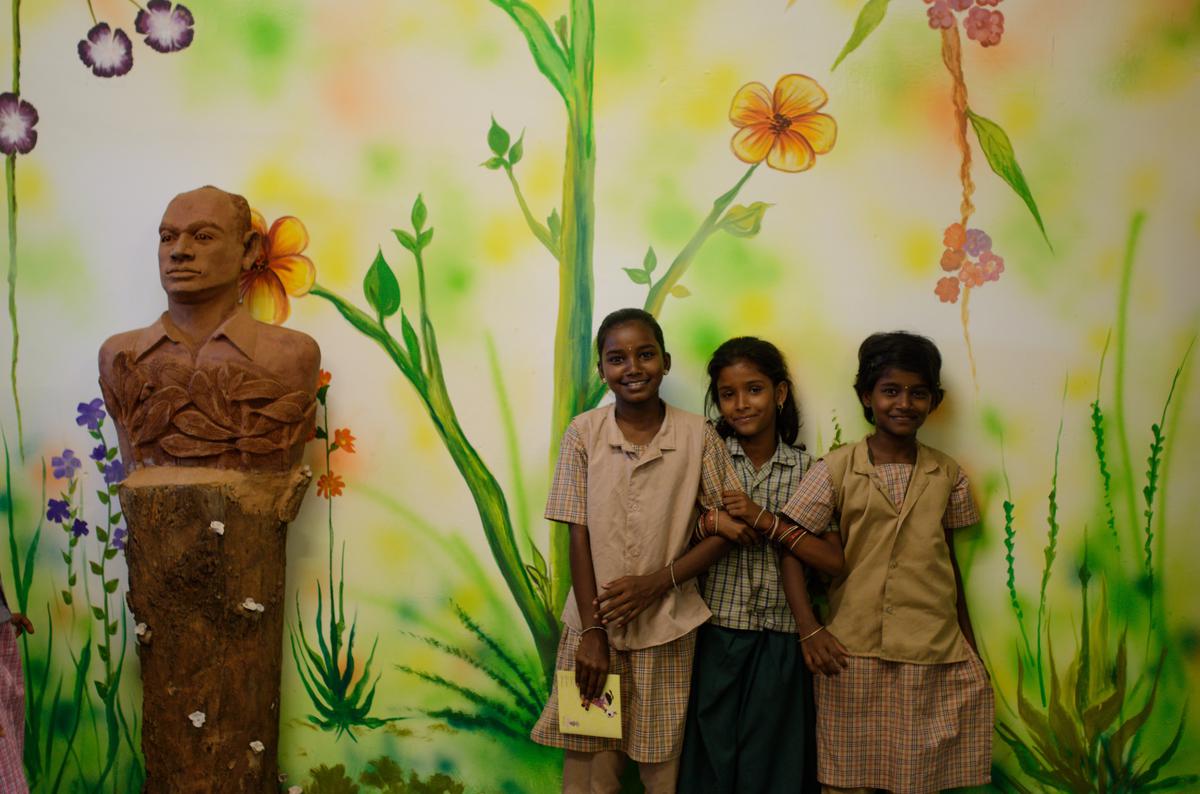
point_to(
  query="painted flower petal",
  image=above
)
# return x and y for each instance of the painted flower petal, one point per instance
(752, 143)
(165, 30)
(751, 105)
(818, 129)
(296, 273)
(791, 153)
(288, 236)
(797, 94)
(264, 296)
(258, 223)
(17, 121)
(108, 52)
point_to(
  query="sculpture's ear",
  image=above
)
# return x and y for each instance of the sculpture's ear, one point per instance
(251, 247)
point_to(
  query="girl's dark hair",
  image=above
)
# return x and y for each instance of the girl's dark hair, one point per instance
(623, 316)
(767, 359)
(897, 350)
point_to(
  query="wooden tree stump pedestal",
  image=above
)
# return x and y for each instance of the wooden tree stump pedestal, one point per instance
(211, 599)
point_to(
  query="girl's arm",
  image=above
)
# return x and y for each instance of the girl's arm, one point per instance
(822, 651)
(591, 655)
(629, 596)
(964, 618)
(823, 552)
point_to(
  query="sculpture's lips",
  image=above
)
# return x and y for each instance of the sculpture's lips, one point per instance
(183, 271)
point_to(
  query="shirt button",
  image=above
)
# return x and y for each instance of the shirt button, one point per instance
(633, 552)
(893, 565)
(888, 610)
(634, 506)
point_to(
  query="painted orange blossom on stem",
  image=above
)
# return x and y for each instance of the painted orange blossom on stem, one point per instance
(782, 127)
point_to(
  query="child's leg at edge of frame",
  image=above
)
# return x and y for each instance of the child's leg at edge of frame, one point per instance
(835, 790)
(592, 773)
(660, 777)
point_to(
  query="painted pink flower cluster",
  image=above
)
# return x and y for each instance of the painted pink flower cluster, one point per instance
(17, 121)
(983, 24)
(969, 256)
(108, 51)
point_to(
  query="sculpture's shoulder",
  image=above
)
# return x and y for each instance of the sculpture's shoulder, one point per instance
(292, 355)
(123, 342)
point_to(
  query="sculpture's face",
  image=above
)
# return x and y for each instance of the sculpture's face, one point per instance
(201, 247)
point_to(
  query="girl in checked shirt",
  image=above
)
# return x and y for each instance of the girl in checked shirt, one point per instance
(751, 724)
(913, 710)
(627, 483)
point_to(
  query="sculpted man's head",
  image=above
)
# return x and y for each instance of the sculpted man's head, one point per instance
(205, 241)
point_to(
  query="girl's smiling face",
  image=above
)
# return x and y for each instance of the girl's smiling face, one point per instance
(747, 399)
(901, 401)
(632, 363)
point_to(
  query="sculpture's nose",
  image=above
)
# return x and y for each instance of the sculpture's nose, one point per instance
(182, 250)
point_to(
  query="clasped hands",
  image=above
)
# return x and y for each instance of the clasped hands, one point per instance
(740, 520)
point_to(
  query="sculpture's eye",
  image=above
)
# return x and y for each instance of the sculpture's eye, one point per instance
(165, 237)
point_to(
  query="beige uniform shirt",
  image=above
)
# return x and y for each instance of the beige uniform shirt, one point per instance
(897, 598)
(640, 505)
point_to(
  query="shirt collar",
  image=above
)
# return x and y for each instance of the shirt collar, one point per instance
(861, 459)
(240, 329)
(785, 454)
(664, 439)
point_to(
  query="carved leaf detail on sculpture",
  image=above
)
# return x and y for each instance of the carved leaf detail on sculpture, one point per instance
(173, 396)
(258, 446)
(303, 429)
(210, 400)
(186, 447)
(158, 419)
(262, 426)
(197, 424)
(169, 374)
(258, 389)
(289, 408)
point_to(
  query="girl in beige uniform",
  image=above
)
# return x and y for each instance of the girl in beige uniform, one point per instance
(629, 480)
(912, 712)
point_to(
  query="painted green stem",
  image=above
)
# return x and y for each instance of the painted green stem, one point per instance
(660, 290)
(10, 183)
(537, 227)
(489, 498)
(1135, 231)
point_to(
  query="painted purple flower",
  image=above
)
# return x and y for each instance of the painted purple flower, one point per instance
(99, 453)
(114, 472)
(17, 121)
(90, 414)
(79, 528)
(165, 30)
(119, 537)
(108, 52)
(65, 465)
(57, 510)
(977, 242)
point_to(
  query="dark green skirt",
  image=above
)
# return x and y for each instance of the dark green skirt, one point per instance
(751, 717)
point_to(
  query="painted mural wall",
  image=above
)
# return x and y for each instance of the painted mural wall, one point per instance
(454, 193)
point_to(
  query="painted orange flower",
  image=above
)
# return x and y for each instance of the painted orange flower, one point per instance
(280, 269)
(344, 439)
(330, 485)
(324, 378)
(784, 127)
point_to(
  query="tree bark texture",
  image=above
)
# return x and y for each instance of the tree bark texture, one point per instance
(211, 598)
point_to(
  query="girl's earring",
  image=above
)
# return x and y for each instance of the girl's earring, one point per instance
(779, 408)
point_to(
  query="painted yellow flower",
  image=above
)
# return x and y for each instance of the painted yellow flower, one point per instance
(783, 127)
(280, 269)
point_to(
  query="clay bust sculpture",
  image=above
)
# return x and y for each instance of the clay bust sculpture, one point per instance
(207, 384)
(212, 409)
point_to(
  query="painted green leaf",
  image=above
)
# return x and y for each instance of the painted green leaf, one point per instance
(869, 17)
(554, 224)
(419, 213)
(998, 150)
(98, 613)
(102, 496)
(497, 138)
(406, 239)
(517, 151)
(66, 597)
(112, 628)
(637, 276)
(411, 342)
(547, 54)
(680, 291)
(743, 221)
(381, 289)
(110, 554)
(425, 238)
(112, 453)
(650, 261)
(111, 585)
(494, 163)
(96, 567)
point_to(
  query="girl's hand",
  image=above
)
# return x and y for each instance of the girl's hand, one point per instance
(824, 654)
(591, 663)
(730, 528)
(740, 506)
(621, 601)
(22, 624)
